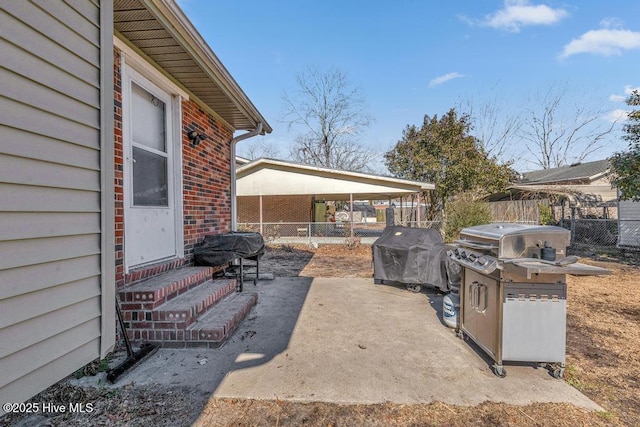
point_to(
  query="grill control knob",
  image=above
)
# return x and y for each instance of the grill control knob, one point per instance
(472, 257)
(462, 254)
(482, 261)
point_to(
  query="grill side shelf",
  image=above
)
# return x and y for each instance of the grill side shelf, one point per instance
(529, 268)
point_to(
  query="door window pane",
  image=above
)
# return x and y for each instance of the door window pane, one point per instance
(149, 179)
(148, 119)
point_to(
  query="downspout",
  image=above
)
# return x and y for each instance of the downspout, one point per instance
(234, 141)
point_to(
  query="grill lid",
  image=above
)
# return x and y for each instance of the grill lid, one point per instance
(497, 231)
(506, 241)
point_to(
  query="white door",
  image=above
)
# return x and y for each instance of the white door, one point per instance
(150, 213)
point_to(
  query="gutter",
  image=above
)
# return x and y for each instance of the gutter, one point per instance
(234, 204)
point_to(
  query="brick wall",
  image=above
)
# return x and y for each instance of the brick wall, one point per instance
(119, 168)
(206, 176)
(274, 209)
(206, 182)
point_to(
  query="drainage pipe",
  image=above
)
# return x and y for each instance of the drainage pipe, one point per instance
(234, 141)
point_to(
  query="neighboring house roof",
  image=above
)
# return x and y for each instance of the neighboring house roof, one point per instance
(581, 183)
(576, 173)
(588, 195)
(160, 32)
(270, 177)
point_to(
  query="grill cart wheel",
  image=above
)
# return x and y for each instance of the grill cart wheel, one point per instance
(558, 373)
(414, 288)
(499, 371)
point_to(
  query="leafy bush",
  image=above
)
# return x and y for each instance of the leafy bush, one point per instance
(546, 214)
(463, 213)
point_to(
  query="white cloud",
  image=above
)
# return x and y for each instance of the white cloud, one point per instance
(520, 13)
(612, 23)
(604, 42)
(617, 115)
(445, 78)
(628, 90)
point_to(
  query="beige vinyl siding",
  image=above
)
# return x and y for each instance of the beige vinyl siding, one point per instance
(56, 130)
(48, 374)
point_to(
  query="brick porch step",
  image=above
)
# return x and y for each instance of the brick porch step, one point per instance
(216, 326)
(157, 290)
(184, 308)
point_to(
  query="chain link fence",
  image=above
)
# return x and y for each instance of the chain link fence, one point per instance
(592, 233)
(299, 219)
(596, 234)
(325, 232)
(286, 220)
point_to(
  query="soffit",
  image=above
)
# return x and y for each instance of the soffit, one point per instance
(169, 41)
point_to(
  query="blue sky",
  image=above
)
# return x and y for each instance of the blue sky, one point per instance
(415, 57)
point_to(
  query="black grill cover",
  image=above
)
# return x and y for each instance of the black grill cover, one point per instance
(218, 249)
(410, 256)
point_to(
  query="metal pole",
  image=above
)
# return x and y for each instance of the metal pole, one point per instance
(573, 224)
(261, 230)
(351, 212)
(418, 211)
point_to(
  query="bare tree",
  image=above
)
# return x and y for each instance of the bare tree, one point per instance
(494, 125)
(558, 134)
(260, 148)
(331, 115)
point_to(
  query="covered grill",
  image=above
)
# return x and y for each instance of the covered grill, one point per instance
(410, 256)
(221, 249)
(513, 293)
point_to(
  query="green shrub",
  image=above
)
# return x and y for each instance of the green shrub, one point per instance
(465, 213)
(546, 214)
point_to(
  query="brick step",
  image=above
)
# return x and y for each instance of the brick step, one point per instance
(153, 292)
(214, 327)
(183, 310)
(210, 330)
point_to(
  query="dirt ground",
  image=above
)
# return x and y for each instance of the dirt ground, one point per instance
(603, 362)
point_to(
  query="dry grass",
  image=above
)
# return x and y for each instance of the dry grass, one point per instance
(223, 412)
(603, 339)
(340, 261)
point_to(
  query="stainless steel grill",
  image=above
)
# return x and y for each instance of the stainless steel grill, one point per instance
(513, 292)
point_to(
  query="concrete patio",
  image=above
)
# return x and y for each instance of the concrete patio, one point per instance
(349, 341)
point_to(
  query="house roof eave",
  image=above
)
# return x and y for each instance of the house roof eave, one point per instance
(161, 30)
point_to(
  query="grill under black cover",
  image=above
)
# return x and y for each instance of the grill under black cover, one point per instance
(411, 256)
(218, 249)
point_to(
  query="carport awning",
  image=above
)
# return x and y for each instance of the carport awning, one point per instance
(268, 177)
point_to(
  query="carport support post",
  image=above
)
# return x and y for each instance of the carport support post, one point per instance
(418, 211)
(351, 213)
(261, 230)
